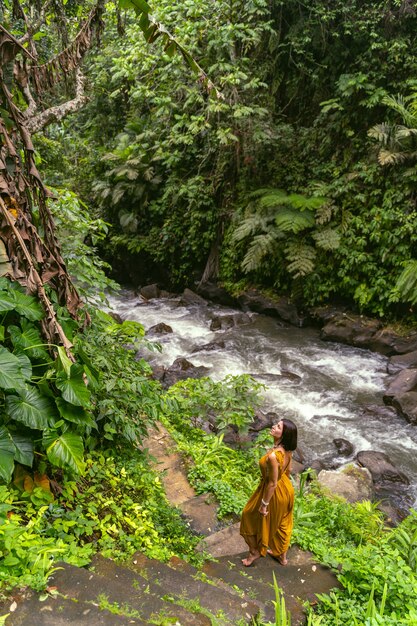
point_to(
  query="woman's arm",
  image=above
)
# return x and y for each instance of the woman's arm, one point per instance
(271, 485)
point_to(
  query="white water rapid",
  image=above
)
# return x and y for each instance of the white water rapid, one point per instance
(326, 399)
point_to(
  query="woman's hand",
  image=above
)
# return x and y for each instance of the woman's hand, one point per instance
(263, 510)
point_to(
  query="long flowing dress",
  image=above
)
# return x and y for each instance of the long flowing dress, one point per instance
(274, 530)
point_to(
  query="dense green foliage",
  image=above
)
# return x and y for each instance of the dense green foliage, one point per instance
(173, 169)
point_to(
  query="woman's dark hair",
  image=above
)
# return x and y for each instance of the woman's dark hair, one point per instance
(289, 435)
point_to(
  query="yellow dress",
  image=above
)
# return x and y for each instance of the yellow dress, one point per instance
(274, 530)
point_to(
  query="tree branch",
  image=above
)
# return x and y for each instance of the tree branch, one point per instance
(57, 113)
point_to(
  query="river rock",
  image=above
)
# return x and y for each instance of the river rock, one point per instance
(263, 420)
(150, 292)
(343, 446)
(381, 467)
(352, 483)
(223, 322)
(181, 369)
(215, 293)
(406, 405)
(117, 318)
(189, 297)
(208, 347)
(159, 329)
(399, 362)
(282, 308)
(354, 330)
(285, 375)
(405, 381)
(379, 411)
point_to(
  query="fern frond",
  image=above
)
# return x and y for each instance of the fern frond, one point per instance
(301, 257)
(346, 217)
(325, 212)
(328, 239)
(291, 220)
(249, 226)
(406, 284)
(260, 247)
(266, 191)
(311, 203)
(272, 198)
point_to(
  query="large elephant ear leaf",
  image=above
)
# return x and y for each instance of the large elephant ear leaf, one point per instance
(24, 449)
(27, 306)
(7, 452)
(75, 414)
(31, 409)
(73, 388)
(11, 375)
(29, 339)
(65, 451)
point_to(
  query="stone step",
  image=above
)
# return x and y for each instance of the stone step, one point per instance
(61, 611)
(296, 580)
(86, 586)
(219, 602)
(151, 595)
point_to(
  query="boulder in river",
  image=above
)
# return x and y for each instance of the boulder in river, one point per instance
(402, 394)
(399, 362)
(379, 411)
(224, 322)
(159, 329)
(284, 375)
(213, 345)
(188, 297)
(354, 330)
(344, 447)
(381, 467)
(406, 405)
(215, 293)
(150, 292)
(352, 483)
(282, 308)
(181, 369)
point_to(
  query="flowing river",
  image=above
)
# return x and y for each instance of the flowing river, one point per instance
(333, 385)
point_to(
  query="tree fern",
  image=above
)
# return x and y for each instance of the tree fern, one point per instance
(301, 257)
(292, 220)
(249, 226)
(327, 239)
(260, 247)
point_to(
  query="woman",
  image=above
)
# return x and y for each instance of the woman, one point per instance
(267, 518)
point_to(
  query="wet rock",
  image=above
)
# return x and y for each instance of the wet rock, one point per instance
(158, 372)
(189, 297)
(405, 381)
(296, 467)
(117, 318)
(344, 447)
(381, 467)
(159, 329)
(285, 375)
(150, 291)
(208, 347)
(406, 405)
(352, 483)
(263, 420)
(379, 411)
(281, 308)
(215, 293)
(181, 369)
(354, 330)
(223, 322)
(399, 362)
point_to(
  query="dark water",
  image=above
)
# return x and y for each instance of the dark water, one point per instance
(327, 397)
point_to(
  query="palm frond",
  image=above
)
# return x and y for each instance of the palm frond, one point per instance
(388, 157)
(399, 105)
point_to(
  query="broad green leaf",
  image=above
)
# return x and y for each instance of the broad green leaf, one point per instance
(11, 376)
(63, 363)
(74, 390)
(7, 451)
(25, 365)
(28, 338)
(24, 449)
(27, 306)
(141, 6)
(2, 329)
(30, 408)
(7, 302)
(72, 413)
(65, 451)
